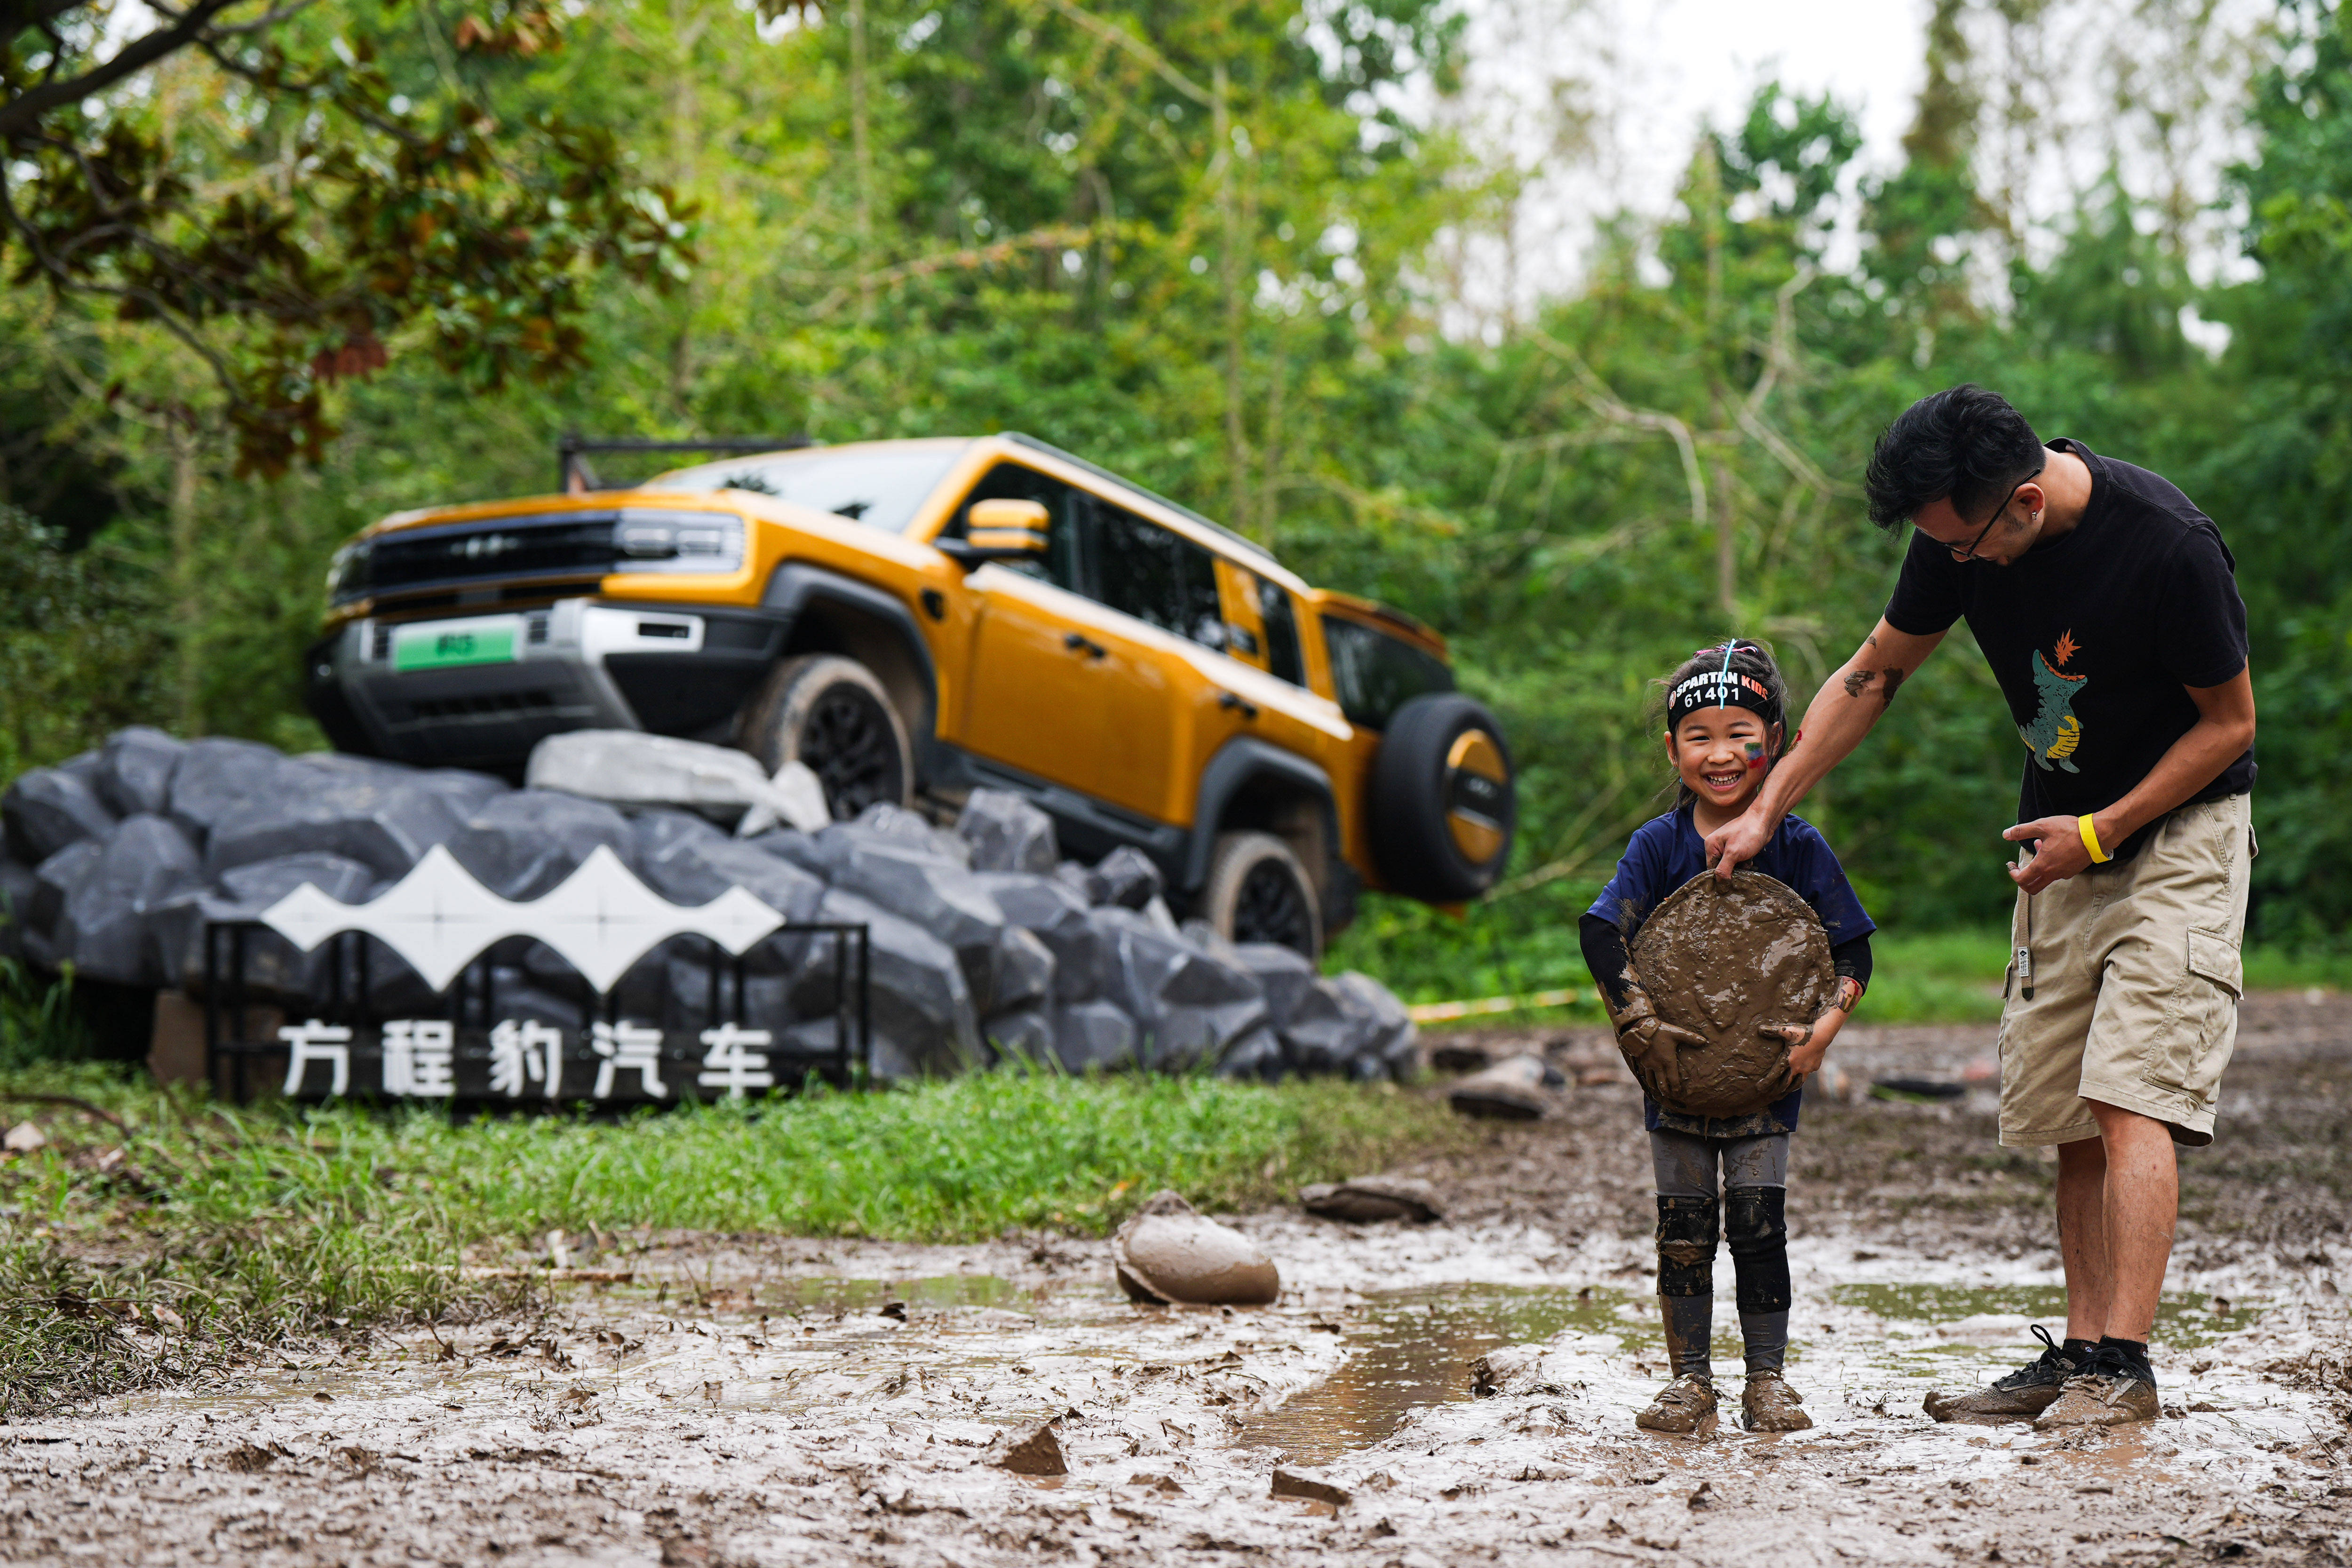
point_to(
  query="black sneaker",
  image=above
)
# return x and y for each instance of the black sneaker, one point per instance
(2021, 1395)
(2110, 1389)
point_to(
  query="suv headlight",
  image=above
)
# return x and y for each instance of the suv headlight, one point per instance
(698, 542)
(347, 572)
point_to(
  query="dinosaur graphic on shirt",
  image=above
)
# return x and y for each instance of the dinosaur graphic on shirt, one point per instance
(2055, 731)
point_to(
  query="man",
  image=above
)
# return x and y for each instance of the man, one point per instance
(2107, 607)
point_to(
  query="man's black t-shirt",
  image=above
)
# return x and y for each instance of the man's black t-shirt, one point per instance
(2092, 635)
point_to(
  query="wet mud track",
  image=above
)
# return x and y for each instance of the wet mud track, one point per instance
(774, 1401)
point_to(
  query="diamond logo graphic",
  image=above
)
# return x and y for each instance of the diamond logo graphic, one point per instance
(601, 920)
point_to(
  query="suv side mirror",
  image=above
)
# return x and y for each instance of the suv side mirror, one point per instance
(1001, 531)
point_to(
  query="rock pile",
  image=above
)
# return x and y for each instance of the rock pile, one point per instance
(986, 943)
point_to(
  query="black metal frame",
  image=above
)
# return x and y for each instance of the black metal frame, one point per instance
(574, 447)
(229, 1006)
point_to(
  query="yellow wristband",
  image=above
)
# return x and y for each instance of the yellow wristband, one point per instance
(2090, 840)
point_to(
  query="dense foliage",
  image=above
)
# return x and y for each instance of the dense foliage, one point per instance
(1196, 244)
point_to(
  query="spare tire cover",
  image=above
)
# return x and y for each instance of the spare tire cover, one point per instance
(1728, 960)
(1443, 802)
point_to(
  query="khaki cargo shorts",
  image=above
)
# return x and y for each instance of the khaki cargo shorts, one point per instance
(2136, 974)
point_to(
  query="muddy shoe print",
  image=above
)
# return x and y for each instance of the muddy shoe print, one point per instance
(2111, 1390)
(2021, 1395)
(1769, 1405)
(1685, 1407)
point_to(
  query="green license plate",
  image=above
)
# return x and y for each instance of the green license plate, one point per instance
(443, 644)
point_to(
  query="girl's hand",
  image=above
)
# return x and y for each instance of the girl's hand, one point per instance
(1809, 1043)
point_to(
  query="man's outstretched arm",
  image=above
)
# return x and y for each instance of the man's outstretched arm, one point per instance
(1843, 712)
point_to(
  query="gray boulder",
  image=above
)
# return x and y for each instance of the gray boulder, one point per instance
(104, 928)
(385, 821)
(215, 778)
(936, 895)
(1393, 1041)
(135, 768)
(54, 881)
(523, 844)
(1190, 1005)
(274, 967)
(1284, 972)
(1086, 962)
(1007, 834)
(924, 1021)
(1353, 1026)
(1021, 974)
(1082, 881)
(1024, 1034)
(1095, 1036)
(49, 808)
(17, 886)
(1129, 878)
(1256, 1055)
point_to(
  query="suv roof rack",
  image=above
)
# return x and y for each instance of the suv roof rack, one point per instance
(1239, 541)
(576, 476)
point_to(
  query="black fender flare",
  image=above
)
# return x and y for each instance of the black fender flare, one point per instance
(1237, 761)
(794, 585)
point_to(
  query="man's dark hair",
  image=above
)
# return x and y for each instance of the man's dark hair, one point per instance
(1965, 443)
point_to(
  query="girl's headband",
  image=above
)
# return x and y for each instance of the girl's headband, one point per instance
(1721, 688)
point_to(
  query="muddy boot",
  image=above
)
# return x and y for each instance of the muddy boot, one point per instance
(2021, 1397)
(2111, 1390)
(1685, 1407)
(1769, 1405)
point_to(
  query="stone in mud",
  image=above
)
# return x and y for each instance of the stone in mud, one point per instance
(1444, 1056)
(1007, 834)
(1363, 1200)
(1168, 1251)
(1517, 1090)
(49, 808)
(1731, 961)
(1308, 1485)
(1036, 1453)
(1513, 1369)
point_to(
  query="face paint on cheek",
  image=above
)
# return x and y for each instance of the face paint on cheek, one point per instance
(1755, 754)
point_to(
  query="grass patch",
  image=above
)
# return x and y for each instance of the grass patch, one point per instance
(193, 1233)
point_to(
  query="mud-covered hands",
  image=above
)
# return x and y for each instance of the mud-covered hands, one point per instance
(2058, 852)
(1648, 1041)
(1809, 1043)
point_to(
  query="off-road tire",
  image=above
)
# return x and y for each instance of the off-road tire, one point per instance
(830, 713)
(1257, 891)
(1441, 824)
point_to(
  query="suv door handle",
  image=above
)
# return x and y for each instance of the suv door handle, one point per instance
(1229, 701)
(1078, 642)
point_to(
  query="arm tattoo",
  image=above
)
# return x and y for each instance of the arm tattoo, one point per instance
(1890, 680)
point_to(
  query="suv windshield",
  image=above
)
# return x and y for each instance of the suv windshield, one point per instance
(882, 486)
(1376, 674)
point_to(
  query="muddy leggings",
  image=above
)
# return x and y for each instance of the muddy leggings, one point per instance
(1755, 1183)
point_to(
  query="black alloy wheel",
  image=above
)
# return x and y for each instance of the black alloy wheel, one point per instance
(1273, 908)
(849, 742)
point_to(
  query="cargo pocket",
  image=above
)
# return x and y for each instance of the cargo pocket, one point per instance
(2200, 1024)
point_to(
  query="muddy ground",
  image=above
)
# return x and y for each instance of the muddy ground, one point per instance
(756, 1401)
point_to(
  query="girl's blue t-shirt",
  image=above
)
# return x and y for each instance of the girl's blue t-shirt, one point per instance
(1667, 851)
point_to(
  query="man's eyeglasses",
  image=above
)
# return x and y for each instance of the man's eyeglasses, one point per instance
(1968, 554)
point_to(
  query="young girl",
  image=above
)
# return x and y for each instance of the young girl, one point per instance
(1724, 731)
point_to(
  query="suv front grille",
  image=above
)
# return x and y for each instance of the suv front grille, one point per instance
(504, 549)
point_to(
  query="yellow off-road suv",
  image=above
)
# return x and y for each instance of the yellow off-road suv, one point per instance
(916, 618)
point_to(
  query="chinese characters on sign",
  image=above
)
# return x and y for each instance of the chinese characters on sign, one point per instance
(425, 1058)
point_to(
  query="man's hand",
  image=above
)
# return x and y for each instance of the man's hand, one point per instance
(2058, 851)
(1742, 838)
